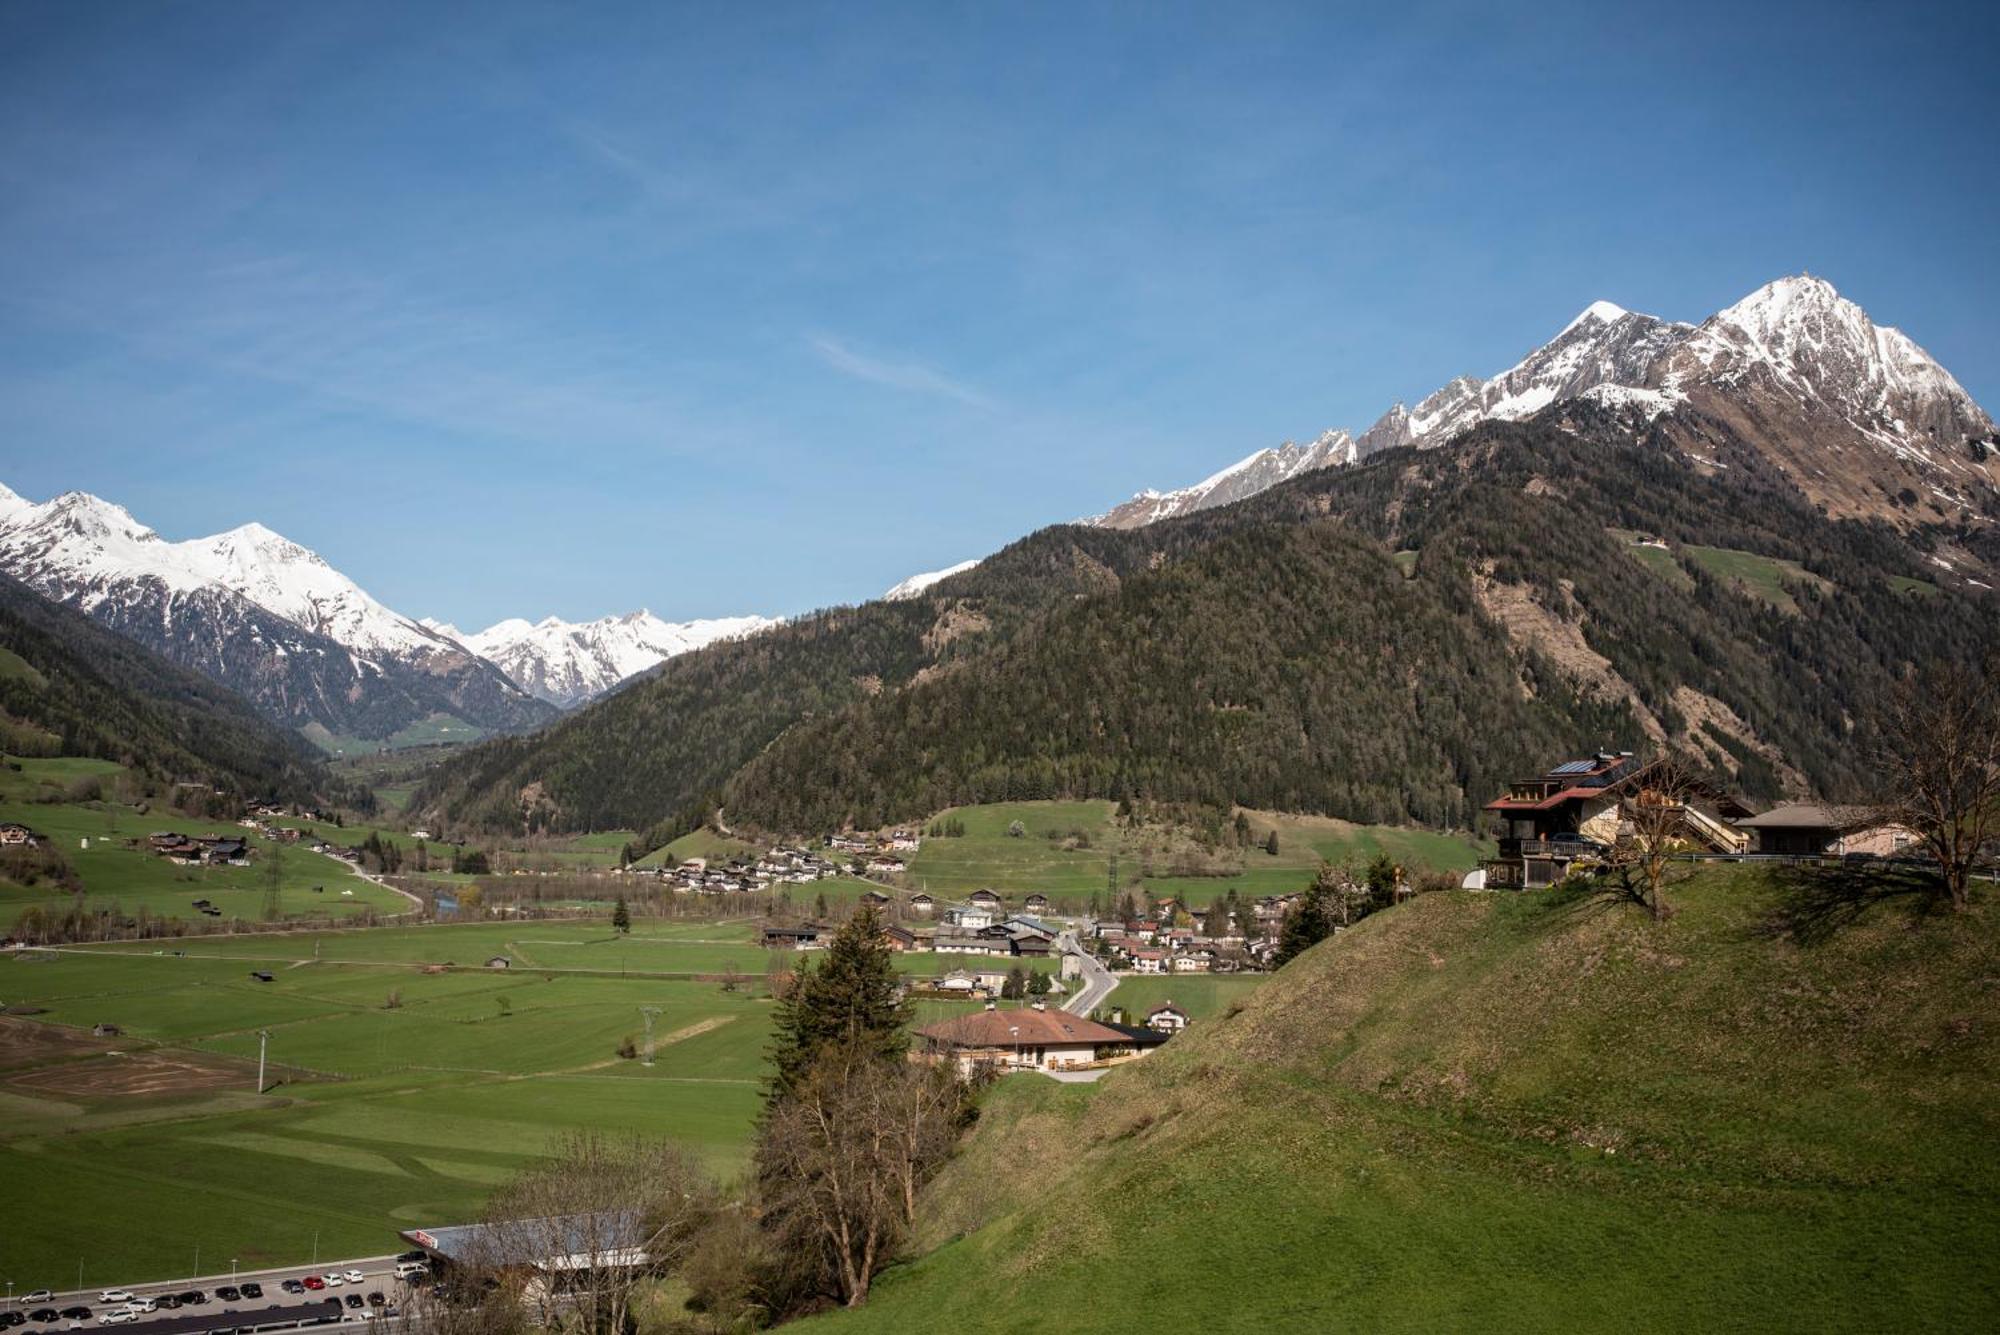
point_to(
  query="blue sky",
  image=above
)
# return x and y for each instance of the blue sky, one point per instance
(512, 310)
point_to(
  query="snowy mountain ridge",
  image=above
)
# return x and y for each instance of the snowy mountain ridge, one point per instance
(1797, 336)
(568, 662)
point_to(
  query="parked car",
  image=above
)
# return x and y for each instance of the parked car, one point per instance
(44, 1313)
(168, 1301)
(253, 1290)
(334, 1279)
(356, 1277)
(228, 1293)
(315, 1283)
(118, 1316)
(376, 1299)
(115, 1296)
(411, 1271)
(354, 1300)
(192, 1298)
(76, 1314)
(38, 1296)
(142, 1305)
(293, 1286)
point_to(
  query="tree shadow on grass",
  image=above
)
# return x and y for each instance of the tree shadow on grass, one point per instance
(1817, 902)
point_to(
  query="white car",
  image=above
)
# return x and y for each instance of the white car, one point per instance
(142, 1305)
(334, 1279)
(38, 1296)
(356, 1277)
(118, 1316)
(115, 1296)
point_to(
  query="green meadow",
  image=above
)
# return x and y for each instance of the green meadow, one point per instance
(105, 842)
(400, 1097)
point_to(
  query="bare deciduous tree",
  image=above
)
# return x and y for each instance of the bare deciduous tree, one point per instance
(1940, 759)
(1654, 827)
(843, 1155)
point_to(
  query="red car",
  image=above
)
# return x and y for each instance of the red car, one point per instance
(315, 1282)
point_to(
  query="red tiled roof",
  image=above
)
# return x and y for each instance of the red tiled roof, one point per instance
(1019, 1028)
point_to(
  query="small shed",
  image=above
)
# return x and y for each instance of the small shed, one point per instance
(261, 975)
(500, 962)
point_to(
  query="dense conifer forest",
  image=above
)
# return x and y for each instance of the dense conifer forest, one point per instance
(1322, 647)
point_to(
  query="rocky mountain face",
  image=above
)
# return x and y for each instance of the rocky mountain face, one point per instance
(568, 662)
(260, 614)
(1863, 420)
(1857, 415)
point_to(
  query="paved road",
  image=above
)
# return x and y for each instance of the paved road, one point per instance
(1098, 981)
(275, 1310)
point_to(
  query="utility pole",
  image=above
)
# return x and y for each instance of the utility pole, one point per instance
(649, 1012)
(263, 1042)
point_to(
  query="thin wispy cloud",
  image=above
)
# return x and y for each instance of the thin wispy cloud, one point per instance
(911, 376)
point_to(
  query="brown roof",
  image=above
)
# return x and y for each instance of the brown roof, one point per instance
(1019, 1028)
(1810, 816)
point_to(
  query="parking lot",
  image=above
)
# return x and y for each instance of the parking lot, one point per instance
(362, 1290)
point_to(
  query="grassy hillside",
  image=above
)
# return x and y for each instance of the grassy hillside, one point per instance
(1073, 850)
(1520, 1113)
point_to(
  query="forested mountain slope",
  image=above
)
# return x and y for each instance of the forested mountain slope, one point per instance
(1272, 653)
(1496, 1112)
(70, 687)
(1287, 664)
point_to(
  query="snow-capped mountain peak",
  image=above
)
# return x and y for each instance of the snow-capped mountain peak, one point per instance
(566, 662)
(1796, 337)
(258, 612)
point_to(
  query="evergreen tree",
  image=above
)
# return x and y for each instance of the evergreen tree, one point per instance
(1271, 844)
(852, 998)
(1382, 879)
(1311, 920)
(1242, 829)
(1015, 985)
(819, 905)
(621, 916)
(1038, 984)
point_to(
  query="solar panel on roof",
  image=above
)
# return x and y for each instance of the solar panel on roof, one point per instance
(1575, 767)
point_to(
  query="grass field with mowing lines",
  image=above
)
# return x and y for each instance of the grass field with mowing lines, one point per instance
(382, 1116)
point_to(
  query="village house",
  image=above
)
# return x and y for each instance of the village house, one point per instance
(905, 841)
(898, 938)
(16, 835)
(804, 936)
(984, 899)
(968, 943)
(874, 897)
(1812, 829)
(1194, 961)
(1149, 961)
(970, 919)
(922, 903)
(1167, 1018)
(1036, 903)
(960, 982)
(1573, 814)
(1032, 1039)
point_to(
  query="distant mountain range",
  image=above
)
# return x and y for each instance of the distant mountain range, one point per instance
(569, 662)
(1857, 414)
(277, 623)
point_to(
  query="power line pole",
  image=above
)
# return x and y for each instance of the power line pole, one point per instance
(263, 1042)
(650, 1012)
